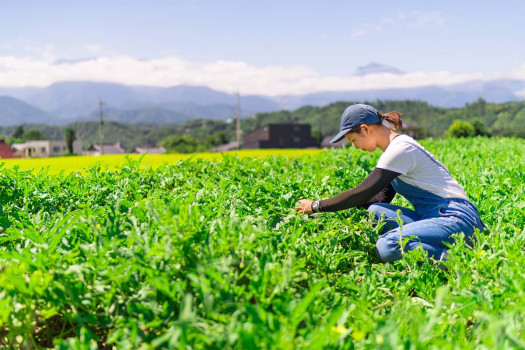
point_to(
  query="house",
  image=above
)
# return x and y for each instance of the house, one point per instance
(149, 149)
(280, 136)
(6, 151)
(230, 146)
(45, 148)
(414, 131)
(113, 148)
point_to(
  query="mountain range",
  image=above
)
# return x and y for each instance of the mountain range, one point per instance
(66, 102)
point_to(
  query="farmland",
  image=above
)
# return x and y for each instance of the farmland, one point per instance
(56, 165)
(209, 254)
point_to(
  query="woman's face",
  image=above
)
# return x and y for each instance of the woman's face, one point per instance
(363, 140)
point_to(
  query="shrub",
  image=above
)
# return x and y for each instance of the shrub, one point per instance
(461, 129)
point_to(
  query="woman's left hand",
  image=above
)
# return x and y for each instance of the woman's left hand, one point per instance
(305, 207)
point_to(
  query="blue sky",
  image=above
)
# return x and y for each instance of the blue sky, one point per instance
(311, 39)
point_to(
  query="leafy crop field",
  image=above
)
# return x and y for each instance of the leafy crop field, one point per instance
(207, 254)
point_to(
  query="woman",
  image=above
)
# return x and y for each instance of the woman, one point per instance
(441, 207)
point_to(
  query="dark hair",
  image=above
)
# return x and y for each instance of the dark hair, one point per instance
(392, 117)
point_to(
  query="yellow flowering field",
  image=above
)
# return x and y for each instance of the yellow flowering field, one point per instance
(110, 162)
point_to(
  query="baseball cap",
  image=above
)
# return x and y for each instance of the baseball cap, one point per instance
(355, 116)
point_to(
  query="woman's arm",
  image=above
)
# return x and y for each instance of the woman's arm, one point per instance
(375, 188)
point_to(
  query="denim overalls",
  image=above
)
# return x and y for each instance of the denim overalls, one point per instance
(433, 222)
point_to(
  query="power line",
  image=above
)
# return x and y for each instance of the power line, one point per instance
(238, 120)
(100, 129)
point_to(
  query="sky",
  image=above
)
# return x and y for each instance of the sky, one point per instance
(260, 47)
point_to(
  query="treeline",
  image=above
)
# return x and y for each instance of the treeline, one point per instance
(505, 119)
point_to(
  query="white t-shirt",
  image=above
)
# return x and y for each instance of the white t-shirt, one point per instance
(419, 168)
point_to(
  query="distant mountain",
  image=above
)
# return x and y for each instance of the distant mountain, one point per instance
(374, 68)
(67, 102)
(71, 101)
(455, 95)
(140, 116)
(16, 112)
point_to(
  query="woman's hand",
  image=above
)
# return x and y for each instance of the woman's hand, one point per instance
(305, 207)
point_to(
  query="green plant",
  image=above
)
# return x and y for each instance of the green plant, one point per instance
(460, 129)
(210, 255)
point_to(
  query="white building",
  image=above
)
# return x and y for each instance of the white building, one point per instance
(45, 148)
(149, 149)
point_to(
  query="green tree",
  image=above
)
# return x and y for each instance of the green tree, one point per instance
(479, 128)
(32, 134)
(180, 144)
(69, 135)
(460, 129)
(18, 133)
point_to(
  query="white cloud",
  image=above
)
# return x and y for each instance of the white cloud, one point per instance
(228, 76)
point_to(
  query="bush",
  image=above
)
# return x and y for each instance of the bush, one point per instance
(479, 128)
(461, 129)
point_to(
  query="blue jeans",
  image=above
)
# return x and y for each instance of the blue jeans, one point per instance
(431, 230)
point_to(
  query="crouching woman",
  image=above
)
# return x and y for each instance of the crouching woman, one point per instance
(441, 207)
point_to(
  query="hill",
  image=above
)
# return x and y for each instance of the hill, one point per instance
(78, 101)
(14, 111)
(506, 119)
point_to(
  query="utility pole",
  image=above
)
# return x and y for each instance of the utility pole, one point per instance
(101, 133)
(238, 121)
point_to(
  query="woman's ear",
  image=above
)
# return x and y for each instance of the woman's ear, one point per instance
(364, 129)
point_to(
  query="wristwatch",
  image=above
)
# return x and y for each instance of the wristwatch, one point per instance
(315, 206)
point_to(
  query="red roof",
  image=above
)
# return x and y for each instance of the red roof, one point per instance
(6, 151)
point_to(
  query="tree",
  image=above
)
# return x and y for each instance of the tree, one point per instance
(32, 134)
(461, 129)
(180, 144)
(479, 128)
(69, 135)
(18, 133)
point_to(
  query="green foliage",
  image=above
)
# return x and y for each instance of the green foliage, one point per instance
(461, 129)
(188, 144)
(32, 134)
(211, 255)
(19, 132)
(479, 128)
(505, 119)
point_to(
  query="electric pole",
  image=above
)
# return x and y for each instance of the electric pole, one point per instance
(238, 121)
(101, 133)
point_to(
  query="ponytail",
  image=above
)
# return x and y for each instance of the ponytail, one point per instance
(392, 117)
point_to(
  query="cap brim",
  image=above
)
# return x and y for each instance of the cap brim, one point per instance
(340, 136)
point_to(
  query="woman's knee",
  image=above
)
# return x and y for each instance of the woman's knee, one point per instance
(377, 209)
(387, 249)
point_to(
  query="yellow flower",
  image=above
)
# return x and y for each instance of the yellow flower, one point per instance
(358, 335)
(340, 329)
(483, 252)
(379, 339)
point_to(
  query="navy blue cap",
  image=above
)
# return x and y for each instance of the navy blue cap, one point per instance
(355, 116)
